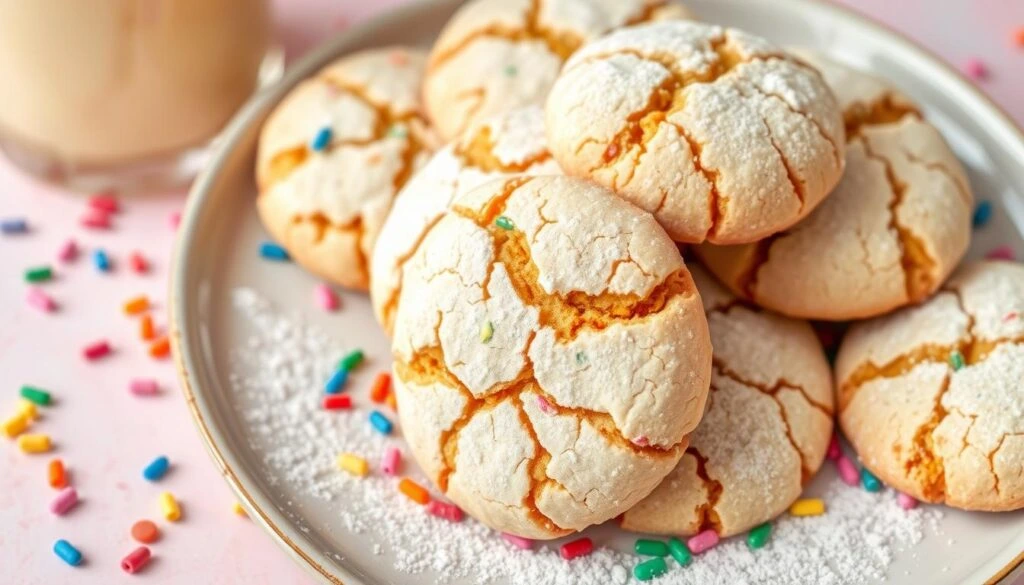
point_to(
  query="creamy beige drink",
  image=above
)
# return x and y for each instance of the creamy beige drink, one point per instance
(103, 83)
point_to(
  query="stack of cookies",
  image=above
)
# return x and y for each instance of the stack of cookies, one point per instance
(558, 363)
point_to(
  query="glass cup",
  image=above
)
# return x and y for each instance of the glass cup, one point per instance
(126, 94)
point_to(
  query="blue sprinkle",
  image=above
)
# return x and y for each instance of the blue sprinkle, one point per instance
(337, 381)
(13, 225)
(99, 258)
(157, 469)
(982, 213)
(272, 251)
(869, 481)
(67, 553)
(322, 139)
(380, 422)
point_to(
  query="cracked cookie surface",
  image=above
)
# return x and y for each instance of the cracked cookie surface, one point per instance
(551, 355)
(326, 208)
(495, 56)
(764, 435)
(496, 147)
(932, 397)
(892, 231)
(720, 134)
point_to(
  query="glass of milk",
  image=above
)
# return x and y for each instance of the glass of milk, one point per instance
(125, 94)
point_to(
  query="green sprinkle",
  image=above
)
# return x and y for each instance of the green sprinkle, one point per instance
(40, 397)
(758, 536)
(648, 570)
(504, 223)
(39, 274)
(650, 548)
(511, 70)
(956, 359)
(487, 332)
(679, 551)
(397, 131)
(351, 360)
(869, 481)
(581, 358)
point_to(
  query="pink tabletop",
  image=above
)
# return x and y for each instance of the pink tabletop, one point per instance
(106, 436)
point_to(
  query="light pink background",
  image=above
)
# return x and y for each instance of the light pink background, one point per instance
(106, 436)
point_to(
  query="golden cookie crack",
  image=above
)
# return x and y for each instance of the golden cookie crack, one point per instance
(887, 109)
(918, 267)
(321, 225)
(962, 190)
(478, 153)
(806, 116)
(390, 306)
(707, 516)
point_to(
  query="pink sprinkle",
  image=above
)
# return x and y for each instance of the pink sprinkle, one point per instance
(848, 471)
(398, 58)
(138, 263)
(96, 219)
(96, 350)
(68, 252)
(40, 300)
(834, 452)
(641, 441)
(702, 542)
(1010, 316)
(906, 502)
(545, 406)
(65, 500)
(517, 541)
(174, 220)
(325, 297)
(975, 69)
(389, 464)
(144, 387)
(106, 202)
(1000, 253)
(449, 512)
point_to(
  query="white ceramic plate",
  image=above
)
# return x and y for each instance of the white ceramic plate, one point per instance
(220, 234)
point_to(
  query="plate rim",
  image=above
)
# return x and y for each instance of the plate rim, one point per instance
(187, 358)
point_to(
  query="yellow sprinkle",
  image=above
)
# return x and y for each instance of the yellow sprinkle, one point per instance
(15, 425)
(808, 507)
(34, 443)
(169, 506)
(486, 332)
(238, 509)
(28, 410)
(353, 464)
(136, 305)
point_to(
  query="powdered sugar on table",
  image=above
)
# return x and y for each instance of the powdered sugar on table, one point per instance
(278, 375)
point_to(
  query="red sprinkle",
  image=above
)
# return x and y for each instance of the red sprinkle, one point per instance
(337, 402)
(834, 452)
(138, 263)
(1010, 316)
(449, 512)
(577, 548)
(135, 560)
(68, 252)
(96, 350)
(1000, 253)
(96, 219)
(104, 202)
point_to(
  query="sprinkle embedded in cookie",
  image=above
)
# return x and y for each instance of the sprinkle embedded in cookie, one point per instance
(765, 432)
(720, 134)
(495, 56)
(932, 397)
(501, 146)
(548, 370)
(333, 155)
(890, 233)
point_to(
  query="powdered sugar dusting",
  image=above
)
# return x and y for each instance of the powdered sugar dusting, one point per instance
(278, 373)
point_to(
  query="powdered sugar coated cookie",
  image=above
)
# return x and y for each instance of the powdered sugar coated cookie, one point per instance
(723, 136)
(548, 368)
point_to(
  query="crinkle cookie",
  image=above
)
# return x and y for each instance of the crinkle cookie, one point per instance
(499, 146)
(932, 396)
(494, 56)
(889, 235)
(326, 206)
(551, 355)
(764, 434)
(720, 134)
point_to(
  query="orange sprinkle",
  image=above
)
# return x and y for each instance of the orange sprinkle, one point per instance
(1018, 36)
(381, 388)
(160, 348)
(391, 401)
(58, 478)
(136, 305)
(145, 532)
(146, 330)
(414, 491)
